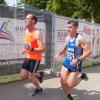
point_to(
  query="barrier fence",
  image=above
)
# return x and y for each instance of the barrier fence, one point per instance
(52, 26)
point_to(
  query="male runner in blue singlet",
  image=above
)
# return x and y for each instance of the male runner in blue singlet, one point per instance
(76, 50)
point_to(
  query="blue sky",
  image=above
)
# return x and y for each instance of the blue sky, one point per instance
(11, 2)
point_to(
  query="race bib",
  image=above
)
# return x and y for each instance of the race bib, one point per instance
(70, 55)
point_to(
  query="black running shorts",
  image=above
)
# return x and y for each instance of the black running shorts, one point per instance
(31, 65)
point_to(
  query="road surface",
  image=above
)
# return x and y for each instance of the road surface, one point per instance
(22, 90)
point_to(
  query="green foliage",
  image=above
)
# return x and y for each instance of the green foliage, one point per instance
(92, 63)
(36, 3)
(2, 2)
(84, 9)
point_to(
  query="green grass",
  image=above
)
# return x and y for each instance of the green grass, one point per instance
(9, 78)
(92, 63)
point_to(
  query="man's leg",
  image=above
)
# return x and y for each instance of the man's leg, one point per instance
(40, 74)
(68, 80)
(24, 69)
(82, 77)
(73, 79)
(24, 74)
(34, 77)
(63, 78)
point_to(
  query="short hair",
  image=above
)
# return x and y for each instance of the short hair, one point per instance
(33, 17)
(74, 22)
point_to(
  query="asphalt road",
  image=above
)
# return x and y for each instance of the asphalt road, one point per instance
(22, 90)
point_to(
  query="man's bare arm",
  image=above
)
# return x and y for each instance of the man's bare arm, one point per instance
(41, 45)
(62, 51)
(86, 49)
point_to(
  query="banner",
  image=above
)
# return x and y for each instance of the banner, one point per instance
(90, 32)
(11, 37)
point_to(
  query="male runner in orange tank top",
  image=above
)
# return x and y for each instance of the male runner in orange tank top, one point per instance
(33, 49)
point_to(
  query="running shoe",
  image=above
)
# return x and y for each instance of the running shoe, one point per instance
(84, 76)
(41, 77)
(37, 92)
(69, 97)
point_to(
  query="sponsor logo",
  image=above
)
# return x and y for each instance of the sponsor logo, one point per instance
(5, 33)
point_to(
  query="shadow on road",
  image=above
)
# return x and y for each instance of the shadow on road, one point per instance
(52, 89)
(57, 94)
(18, 92)
(86, 95)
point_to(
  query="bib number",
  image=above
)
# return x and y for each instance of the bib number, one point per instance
(70, 55)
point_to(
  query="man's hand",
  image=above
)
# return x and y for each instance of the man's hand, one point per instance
(74, 62)
(56, 57)
(23, 51)
(27, 46)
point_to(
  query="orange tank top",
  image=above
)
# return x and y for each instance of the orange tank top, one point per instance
(30, 38)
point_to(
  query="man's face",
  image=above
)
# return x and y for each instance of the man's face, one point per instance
(71, 28)
(29, 21)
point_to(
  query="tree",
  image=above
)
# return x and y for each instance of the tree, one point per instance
(90, 10)
(36, 3)
(2, 2)
(62, 7)
(84, 9)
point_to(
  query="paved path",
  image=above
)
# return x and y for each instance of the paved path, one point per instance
(22, 90)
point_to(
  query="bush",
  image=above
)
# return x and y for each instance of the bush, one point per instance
(92, 63)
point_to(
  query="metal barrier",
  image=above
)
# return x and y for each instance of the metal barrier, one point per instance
(12, 27)
(54, 32)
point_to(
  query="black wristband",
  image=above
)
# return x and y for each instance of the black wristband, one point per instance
(32, 49)
(78, 60)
